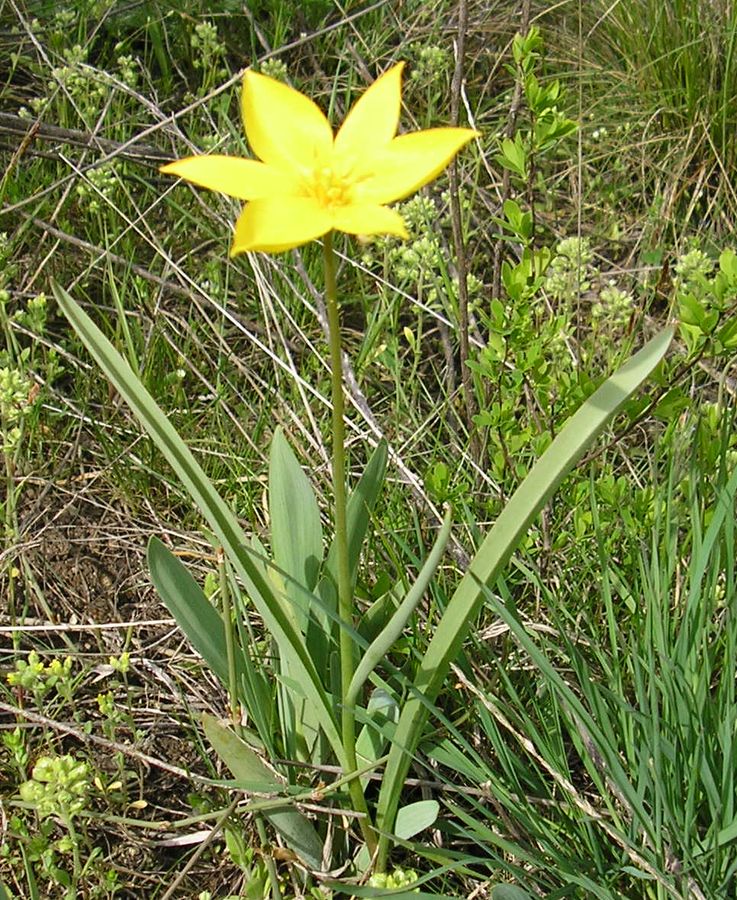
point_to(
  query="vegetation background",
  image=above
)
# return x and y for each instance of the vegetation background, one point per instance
(588, 745)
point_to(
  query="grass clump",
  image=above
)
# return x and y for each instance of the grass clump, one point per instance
(658, 92)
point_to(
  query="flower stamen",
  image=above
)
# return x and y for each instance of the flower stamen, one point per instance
(329, 188)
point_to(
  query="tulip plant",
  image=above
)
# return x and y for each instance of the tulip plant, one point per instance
(331, 672)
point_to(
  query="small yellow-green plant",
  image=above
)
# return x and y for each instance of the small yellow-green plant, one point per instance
(59, 793)
(38, 678)
(398, 878)
(208, 53)
(275, 68)
(706, 291)
(59, 786)
(15, 403)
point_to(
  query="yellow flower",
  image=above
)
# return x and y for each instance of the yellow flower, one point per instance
(307, 181)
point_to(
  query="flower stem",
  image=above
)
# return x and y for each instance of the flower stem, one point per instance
(345, 589)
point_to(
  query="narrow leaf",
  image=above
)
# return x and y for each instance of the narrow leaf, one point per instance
(509, 892)
(513, 522)
(386, 638)
(323, 625)
(186, 601)
(214, 509)
(382, 709)
(296, 532)
(396, 894)
(358, 511)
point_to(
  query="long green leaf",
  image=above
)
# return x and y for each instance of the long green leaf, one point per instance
(203, 627)
(296, 532)
(358, 511)
(296, 549)
(513, 522)
(296, 829)
(375, 893)
(382, 710)
(216, 512)
(381, 645)
(360, 506)
(509, 892)
(186, 601)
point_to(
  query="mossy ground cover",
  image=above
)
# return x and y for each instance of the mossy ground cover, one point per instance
(586, 744)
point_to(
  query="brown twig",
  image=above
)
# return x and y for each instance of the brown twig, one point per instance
(469, 398)
(108, 745)
(17, 125)
(509, 129)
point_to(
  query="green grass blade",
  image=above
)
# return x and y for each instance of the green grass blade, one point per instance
(685, 649)
(214, 509)
(516, 517)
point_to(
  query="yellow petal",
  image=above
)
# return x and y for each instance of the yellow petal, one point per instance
(369, 219)
(409, 162)
(284, 128)
(274, 225)
(373, 120)
(245, 179)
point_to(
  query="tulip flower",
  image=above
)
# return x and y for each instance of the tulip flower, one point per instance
(306, 181)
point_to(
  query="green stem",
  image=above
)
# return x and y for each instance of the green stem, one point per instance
(345, 588)
(74, 840)
(276, 893)
(10, 536)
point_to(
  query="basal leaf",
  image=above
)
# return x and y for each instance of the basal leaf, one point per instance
(186, 601)
(415, 817)
(216, 512)
(513, 522)
(296, 532)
